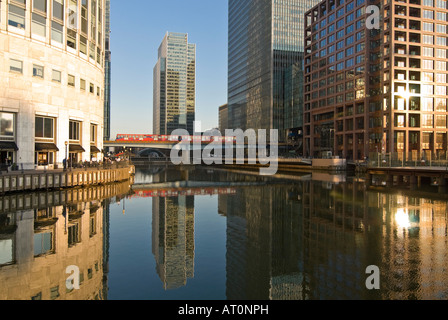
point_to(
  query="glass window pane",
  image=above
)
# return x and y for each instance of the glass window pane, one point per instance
(7, 124)
(16, 17)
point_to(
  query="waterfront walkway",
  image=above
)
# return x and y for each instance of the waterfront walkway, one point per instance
(33, 180)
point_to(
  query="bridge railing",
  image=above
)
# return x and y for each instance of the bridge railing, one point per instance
(407, 160)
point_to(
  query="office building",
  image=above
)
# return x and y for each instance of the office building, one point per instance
(107, 75)
(376, 91)
(264, 63)
(223, 118)
(51, 80)
(174, 85)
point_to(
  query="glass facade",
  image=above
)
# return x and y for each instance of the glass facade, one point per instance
(107, 73)
(175, 85)
(265, 58)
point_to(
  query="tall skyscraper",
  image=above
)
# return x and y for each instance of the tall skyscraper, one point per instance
(174, 85)
(265, 64)
(371, 91)
(107, 75)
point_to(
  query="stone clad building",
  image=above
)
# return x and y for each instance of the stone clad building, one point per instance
(51, 81)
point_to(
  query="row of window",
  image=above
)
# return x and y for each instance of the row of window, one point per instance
(16, 66)
(45, 128)
(64, 13)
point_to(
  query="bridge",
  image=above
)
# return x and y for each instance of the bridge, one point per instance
(168, 145)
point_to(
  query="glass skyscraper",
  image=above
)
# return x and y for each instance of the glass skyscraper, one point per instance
(174, 85)
(107, 74)
(265, 75)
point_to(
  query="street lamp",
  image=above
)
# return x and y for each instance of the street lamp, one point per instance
(66, 154)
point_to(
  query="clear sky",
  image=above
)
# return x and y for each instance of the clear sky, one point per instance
(137, 29)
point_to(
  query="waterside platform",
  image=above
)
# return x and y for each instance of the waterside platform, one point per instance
(35, 180)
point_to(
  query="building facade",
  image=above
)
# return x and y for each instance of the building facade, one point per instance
(223, 118)
(264, 63)
(107, 75)
(51, 81)
(174, 85)
(370, 90)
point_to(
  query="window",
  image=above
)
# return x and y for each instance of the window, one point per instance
(441, 122)
(92, 88)
(58, 10)
(98, 91)
(83, 45)
(427, 121)
(428, 64)
(7, 125)
(38, 23)
(441, 16)
(56, 76)
(71, 80)
(441, 41)
(40, 5)
(71, 39)
(54, 293)
(84, 17)
(75, 130)
(428, 39)
(428, 14)
(57, 31)
(44, 128)
(428, 26)
(15, 66)
(43, 243)
(38, 71)
(441, 53)
(73, 234)
(441, 28)
(93, 133)
(428, 52)
(83, 85)
(441, 65)
(441, 90)
(16, 17)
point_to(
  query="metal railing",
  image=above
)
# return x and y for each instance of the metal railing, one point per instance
(411, 160)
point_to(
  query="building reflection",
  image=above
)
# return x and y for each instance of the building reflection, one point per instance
(173, 235)
(39, 241)
(173, 239)
(314, 240)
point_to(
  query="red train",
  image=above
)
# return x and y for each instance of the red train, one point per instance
(166, 138)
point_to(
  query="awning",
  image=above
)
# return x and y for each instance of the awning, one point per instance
(8, 146)
(76, 148)
(46, 147)
(94, 149)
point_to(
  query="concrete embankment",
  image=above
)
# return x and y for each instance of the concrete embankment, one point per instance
(60, 179)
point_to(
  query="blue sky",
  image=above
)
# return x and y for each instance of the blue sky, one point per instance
(138, 27)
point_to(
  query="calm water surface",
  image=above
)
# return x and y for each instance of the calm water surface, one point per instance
(224, 235)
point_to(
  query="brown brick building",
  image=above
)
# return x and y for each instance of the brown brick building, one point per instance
(370, 91)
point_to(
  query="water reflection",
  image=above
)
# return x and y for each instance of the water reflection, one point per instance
(173, 239)
(311, 237)
(315, 239)
(41, 234)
